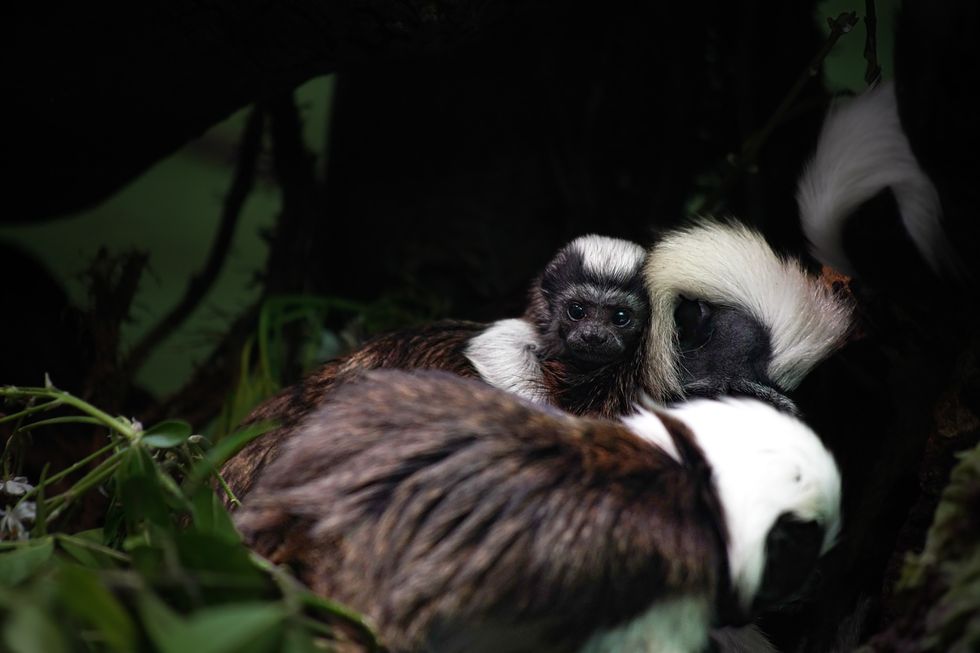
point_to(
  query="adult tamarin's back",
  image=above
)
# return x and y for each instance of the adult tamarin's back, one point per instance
(433, 346)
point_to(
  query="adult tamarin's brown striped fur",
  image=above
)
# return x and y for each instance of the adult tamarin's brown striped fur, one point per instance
(462, 518)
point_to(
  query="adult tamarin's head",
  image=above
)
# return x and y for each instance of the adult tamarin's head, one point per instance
(462, 518)
(589, 304)
(731, 316)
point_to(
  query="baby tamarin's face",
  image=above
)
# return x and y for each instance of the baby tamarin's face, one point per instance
(595, 306)
(597, 325)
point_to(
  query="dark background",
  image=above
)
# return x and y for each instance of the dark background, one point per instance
(453, 148)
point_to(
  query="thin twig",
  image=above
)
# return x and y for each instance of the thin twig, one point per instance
(73, 419)
(200, 284)
(93, 479)
(297, 596)
(62, 538)
(232, 497)
(68, 470)
(119, 425)
(289, 251)
(202, 396)
(39, 408)
(872, 74)
(747, 156)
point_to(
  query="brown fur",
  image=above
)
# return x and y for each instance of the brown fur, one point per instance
(433, 346)
(608, 391)
(446, 509)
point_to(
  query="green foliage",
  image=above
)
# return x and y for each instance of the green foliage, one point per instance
(167, 572)
(286, 320)
(949, 566)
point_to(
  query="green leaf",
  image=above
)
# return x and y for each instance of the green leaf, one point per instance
(298, 640)
(172, 493)
(85, 596)
(22, 562)
(161, 622)
(223, 629)
(147, 560)
(229, 628)
(205, 551)
(143, 500)
(87, 548)
(140, 493)
(137, 462)
(29, 630)
(82, 555)
(225, 449)
(169, 433)
(114, 527)
(211, 517)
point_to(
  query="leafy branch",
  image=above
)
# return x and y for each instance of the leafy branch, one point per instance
(749, 153)
(167, 570)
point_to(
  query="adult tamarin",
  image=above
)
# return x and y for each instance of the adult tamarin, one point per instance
(731, 316)
(722, 314)
(463, 518)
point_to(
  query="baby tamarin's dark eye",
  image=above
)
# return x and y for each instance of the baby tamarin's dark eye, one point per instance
(575, 311)
(621, 317)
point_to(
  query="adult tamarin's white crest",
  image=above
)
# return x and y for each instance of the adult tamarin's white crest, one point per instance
(862, 151)
(462, 518)
(578, 342)
(728, 314)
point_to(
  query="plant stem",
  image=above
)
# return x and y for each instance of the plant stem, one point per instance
(316, 626)
(338, 610)
(227, 490)
(749, 152)
(30, 410)
(86, 483)
(92, 546)
(68, 470)
(74, 419)
(114, 423)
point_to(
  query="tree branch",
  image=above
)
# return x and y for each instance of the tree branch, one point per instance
(873, 72)
(839, 26)
(199, 285)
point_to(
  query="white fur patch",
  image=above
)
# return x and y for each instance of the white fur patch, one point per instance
(607, 257)
(861, 151)
(677, 625)
(764, 463)
(731, 264)
(649, 427)
(504, 356)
